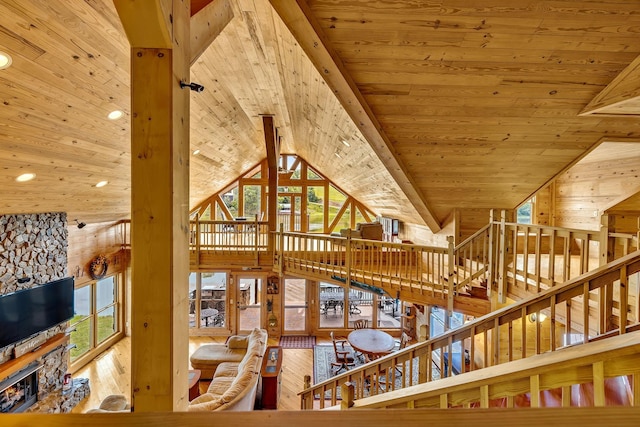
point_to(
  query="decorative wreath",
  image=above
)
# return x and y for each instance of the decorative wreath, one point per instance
(98, 267)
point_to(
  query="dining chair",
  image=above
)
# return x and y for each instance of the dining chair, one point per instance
(345, 357)
(378, 378)
(361, 324)
(404, 340)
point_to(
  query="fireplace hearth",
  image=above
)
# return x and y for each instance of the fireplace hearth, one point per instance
(20, 391)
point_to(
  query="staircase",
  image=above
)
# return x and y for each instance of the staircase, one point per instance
(600, 373)
(577, 313)
(514, 260)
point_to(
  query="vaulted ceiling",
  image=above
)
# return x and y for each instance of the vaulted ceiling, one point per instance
(418, 108)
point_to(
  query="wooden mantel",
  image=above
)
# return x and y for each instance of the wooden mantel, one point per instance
(15, 365)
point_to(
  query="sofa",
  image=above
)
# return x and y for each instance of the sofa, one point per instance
(234, 382)
(365, 230)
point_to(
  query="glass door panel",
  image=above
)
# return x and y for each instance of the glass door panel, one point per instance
(295, 306)
(249, 294)
(332, 305)
(213, 299)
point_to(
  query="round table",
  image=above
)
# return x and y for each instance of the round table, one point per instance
(371, 341)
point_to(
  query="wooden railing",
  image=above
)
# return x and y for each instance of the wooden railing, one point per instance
(238, 236)
(534, 257)
(568, 417)
(603, 372)
(586, 308)
(513, 259)
(403, 270)
(472, 259)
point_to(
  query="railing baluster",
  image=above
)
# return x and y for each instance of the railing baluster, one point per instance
(624, 294)
(585, 312)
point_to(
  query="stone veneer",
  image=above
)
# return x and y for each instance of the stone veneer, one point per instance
(34, 247)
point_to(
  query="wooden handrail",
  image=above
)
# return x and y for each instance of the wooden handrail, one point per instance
(502, 336)
(569, 417)
(619, 356)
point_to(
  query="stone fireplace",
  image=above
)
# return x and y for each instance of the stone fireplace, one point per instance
(20, 391)
(33, 251)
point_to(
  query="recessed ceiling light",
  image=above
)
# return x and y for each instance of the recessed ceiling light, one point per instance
(345, 142)
(196, 152)
(26, 177)
(102, 184)
(338, 155)
(115, 115)
(5, 60)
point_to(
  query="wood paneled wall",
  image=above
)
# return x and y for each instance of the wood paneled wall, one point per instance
(604, 178)
(93, 240)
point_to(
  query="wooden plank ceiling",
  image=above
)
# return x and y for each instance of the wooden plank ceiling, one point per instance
(476, 103)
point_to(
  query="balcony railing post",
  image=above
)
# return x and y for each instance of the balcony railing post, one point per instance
(197, 238)
(347, 258)
(281, 249)
(491, 267)
(450, 281)
(607, 225)
(502, 258)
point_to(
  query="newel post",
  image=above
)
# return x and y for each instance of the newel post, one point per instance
(491, 258)
(607, 246)
(450, 281)
(347, 391)
(502, 258)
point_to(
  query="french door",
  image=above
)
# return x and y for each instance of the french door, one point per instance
(295, 307)
(250, 296)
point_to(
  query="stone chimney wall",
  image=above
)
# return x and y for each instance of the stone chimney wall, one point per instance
(33, 251)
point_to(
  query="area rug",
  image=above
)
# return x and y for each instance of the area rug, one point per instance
(323, 355)
(297, 341)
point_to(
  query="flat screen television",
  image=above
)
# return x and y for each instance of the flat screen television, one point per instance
(26, 312)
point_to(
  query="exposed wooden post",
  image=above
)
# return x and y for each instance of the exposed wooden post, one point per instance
(158, 32)
(273, 154)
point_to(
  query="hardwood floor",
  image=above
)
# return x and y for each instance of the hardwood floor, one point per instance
(110, 373)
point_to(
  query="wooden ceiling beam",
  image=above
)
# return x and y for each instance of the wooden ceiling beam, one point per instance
(207, 24)
(298, 18)
(273, 155)
(621, 97)
(146, 23)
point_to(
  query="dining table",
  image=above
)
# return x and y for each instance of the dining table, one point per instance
(372, 342)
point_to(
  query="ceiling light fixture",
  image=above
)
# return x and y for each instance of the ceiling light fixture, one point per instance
(5, 60)
(26, 177)
(196, 152)
(115, 115)
(338, 155)
(345, 142)
(101, 184)
(80, 224)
